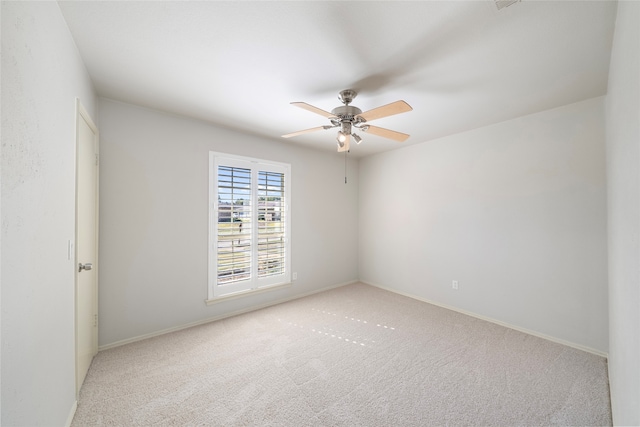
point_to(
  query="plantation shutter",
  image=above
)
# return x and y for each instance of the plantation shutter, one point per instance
(234, 225)
(249, 225)
(271, 220)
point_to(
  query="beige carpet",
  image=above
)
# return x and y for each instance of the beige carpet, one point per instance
(352, 356)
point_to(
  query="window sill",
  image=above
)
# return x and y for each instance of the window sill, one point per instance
(241, 294)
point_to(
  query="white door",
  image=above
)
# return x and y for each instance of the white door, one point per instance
(86, 243)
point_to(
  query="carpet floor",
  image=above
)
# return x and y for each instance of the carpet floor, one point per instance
(352, 356)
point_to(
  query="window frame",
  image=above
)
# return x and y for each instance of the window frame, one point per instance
(255, 283)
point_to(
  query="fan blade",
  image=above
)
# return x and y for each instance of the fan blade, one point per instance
(386, 110)
(300, 132)
(386, 133)
(313, 109)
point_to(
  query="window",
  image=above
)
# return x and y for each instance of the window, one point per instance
(249, 224)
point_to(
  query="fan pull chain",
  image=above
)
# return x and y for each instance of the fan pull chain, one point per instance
(345, 167)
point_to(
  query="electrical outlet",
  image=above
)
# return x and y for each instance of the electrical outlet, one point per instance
(454, 285)
(295, 276)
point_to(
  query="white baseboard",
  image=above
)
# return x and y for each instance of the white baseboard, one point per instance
(326, 288)
(220, 317)
(497, 322)
(72, 413)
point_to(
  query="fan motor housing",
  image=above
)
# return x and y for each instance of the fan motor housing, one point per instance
(347, 112)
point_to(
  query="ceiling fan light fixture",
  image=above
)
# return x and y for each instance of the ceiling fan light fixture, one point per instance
(356, 138)
(341, 137)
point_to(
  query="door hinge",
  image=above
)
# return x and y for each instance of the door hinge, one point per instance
(95, 320)
(96, 160)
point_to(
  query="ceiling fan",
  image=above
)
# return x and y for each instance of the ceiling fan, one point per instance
(350, 118)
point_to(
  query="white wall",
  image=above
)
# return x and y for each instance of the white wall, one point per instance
(42, 74)
(623, 189)
(154, 219)
(516, 212)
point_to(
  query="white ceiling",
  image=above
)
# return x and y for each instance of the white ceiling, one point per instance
(460, 65)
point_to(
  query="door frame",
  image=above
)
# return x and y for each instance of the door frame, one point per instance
(82, 114)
